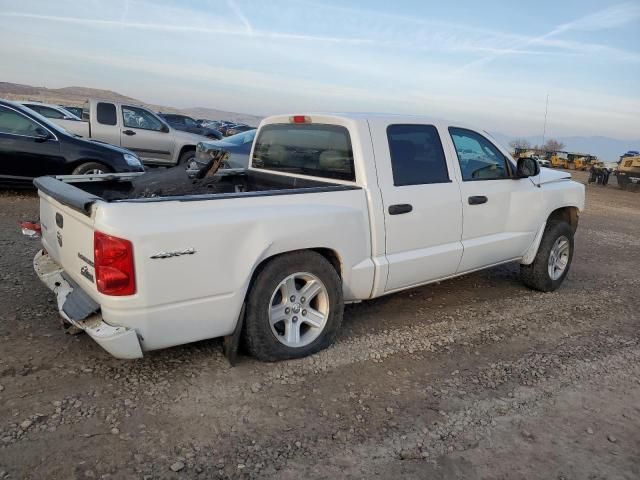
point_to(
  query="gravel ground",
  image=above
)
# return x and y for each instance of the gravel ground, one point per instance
(476, 377)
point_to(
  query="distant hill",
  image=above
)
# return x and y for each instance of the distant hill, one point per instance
(606, 149)
(76, 96)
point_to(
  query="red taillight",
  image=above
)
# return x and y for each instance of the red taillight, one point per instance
(113, 259)
(300, 119)
(31, 229)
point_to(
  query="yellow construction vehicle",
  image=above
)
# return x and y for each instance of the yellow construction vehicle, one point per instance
(583, 162)
(559, 160)
(628, 172)
(524, 153)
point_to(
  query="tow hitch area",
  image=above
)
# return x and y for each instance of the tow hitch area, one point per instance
(31, 229)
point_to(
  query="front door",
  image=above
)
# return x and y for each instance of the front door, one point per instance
(27, 149)
(422, 208)
(498, 209)
(147, 135)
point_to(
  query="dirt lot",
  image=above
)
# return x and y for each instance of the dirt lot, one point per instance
(476, 377)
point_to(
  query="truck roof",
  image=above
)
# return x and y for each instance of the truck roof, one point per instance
(394, 117)
(357, 117)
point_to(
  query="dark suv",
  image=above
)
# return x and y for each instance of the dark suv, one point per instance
(188, 124)
(32, 146)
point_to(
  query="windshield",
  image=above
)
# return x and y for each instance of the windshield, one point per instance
(241, 138)
(190, 122)
(69, 113)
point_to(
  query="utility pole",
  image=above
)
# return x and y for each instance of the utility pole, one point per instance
(544, 129)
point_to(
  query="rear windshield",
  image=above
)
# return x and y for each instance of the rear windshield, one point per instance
(309, 149)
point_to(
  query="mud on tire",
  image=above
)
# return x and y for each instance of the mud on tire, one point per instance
(537, 275)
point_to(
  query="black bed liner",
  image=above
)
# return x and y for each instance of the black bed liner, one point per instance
(175, 185)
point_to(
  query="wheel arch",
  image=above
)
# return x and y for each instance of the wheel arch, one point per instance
(184, 149)
(329, 254)
(569, 214)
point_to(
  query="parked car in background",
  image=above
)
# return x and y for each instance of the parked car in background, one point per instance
(139, 129)
(543, 162)
(60, 116)
(237, 146)
(334, 208)
(203, 122)
(77, 111)
(236, 129)
(224, 125)
(32, 146)
(188, 124)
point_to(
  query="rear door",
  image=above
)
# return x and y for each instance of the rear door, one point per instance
(104, 123)
(422, 206)
(500, 219)
(145, 134)
(24, 151)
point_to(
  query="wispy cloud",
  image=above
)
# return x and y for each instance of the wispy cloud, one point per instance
(311, 55)
(239, 13)
(397, 30)
(603, 19)
(243, 32)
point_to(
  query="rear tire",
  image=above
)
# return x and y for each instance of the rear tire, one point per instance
(91, 168)
(552, 262)
(282, 323)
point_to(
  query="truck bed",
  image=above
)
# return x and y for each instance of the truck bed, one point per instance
(79, 192)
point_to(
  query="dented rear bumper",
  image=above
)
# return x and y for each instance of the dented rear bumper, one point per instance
(78, 309)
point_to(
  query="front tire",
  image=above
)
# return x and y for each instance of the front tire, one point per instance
(552, 262)
(91, 168)
(294, 307)
(188, 160)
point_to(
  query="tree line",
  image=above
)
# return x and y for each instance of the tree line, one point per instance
(551, 145)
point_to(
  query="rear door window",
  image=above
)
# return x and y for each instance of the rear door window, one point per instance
(318, 150)
(417, 157)
(106, 113)
(15, 123)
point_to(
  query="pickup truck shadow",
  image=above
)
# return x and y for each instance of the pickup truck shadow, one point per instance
(401, 308)
(423, 304)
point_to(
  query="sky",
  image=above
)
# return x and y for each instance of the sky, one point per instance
(488, 63)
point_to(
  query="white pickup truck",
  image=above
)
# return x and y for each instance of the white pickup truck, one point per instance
(334, 208)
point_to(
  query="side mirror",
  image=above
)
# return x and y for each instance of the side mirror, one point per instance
(41, 135)
(527, 167)
(164, 129)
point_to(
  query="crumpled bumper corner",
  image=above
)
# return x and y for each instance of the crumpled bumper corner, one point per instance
(121, 342)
